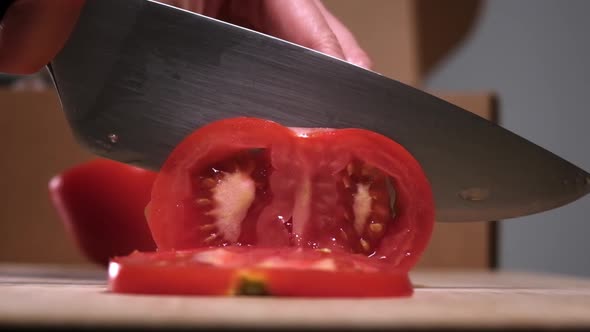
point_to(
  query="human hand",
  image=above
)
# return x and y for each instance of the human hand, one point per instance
(33, 31)
(305, 22)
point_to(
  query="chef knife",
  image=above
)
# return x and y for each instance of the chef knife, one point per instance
(137, 76)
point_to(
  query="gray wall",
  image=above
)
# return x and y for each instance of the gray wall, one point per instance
(536, 56)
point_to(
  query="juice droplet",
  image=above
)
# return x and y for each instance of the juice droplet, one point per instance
(474, 194)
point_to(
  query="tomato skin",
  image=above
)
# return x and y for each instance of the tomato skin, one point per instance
(164, 273)
(101, 204)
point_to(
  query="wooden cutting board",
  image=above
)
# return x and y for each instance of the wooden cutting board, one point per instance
(49, 296)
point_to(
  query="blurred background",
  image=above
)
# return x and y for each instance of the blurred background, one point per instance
(522, 63)
(535, 55)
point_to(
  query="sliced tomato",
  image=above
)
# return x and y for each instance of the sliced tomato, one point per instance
(255, 271)
(101, 204)
(252, 182)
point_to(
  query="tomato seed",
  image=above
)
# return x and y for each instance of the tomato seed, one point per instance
(207, 227)
(366, 246)
(343, 234)
(210, 238)
(208, 183)
(346, 182)
(350, 169)
(376, 228)
(203, 201)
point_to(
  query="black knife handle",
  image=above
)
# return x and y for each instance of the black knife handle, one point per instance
(4, 4)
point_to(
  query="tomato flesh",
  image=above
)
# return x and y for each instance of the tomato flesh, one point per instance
(255, 271)
(351, 190)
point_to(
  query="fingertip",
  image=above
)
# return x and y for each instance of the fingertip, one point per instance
(347, 42)
(360, 59)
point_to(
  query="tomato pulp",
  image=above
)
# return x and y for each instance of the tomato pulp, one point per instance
(254, 184)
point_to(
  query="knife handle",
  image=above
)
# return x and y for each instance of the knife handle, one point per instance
(4, 4)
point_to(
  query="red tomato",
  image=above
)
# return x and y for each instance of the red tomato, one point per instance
(101, 204)
(252, 182)
(256, 271)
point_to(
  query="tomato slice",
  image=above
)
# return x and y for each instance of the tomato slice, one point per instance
(256, 271)
(252, 182)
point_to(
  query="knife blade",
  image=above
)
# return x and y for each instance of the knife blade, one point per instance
(137, 76)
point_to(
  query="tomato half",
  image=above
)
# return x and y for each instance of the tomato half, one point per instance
(252, 182)
(255, 271)
(101, 204)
